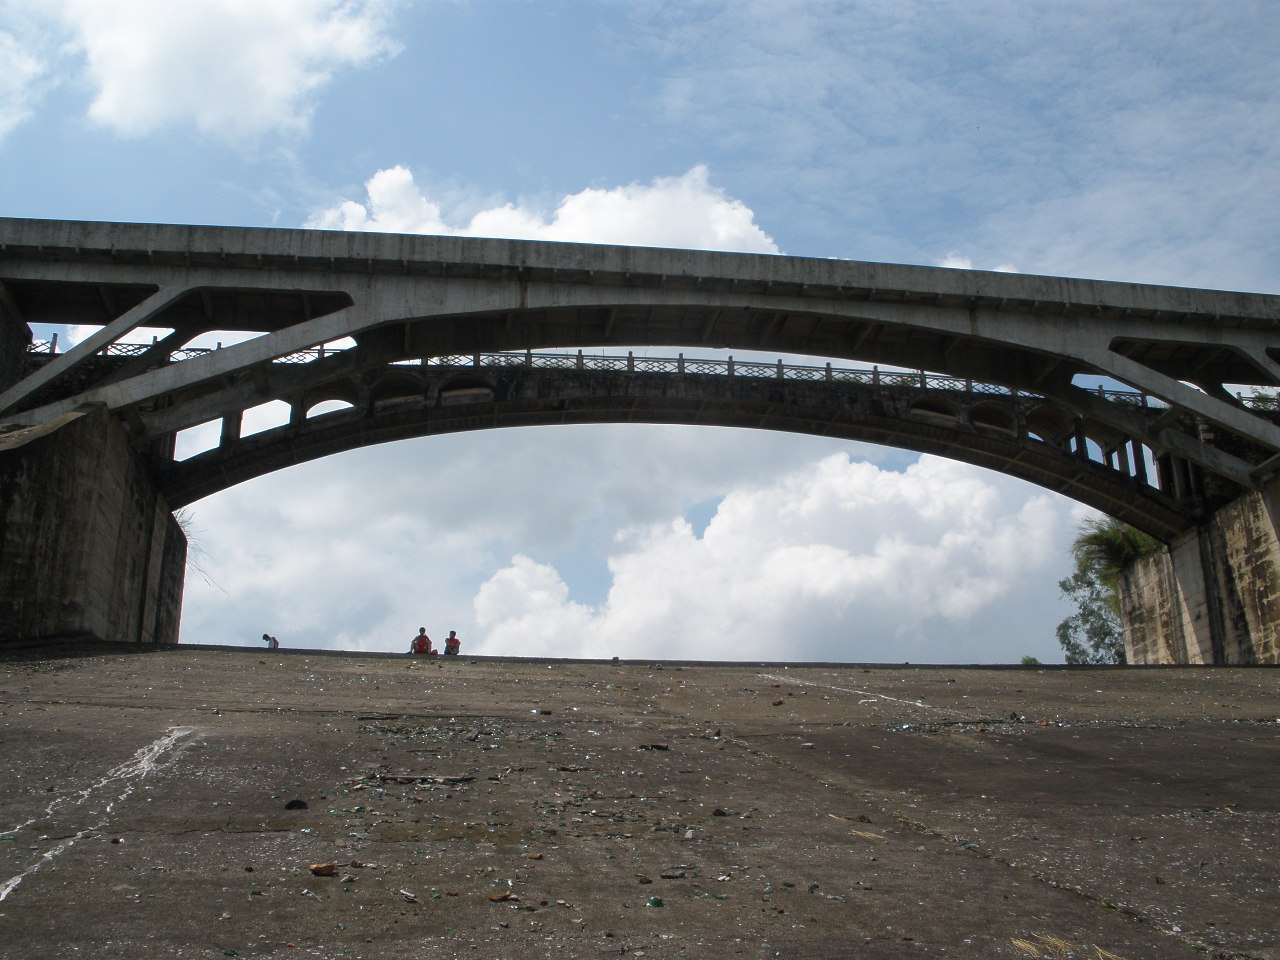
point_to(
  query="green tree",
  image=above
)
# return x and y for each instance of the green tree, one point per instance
(1093, 633)
(1102, 549)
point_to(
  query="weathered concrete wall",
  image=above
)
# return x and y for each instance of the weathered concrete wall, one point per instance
(1214, 596)
(15, 337)
(87, 547)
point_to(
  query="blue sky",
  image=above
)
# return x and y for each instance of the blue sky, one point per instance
(1133, 141)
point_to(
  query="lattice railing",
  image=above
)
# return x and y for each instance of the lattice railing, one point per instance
(679, 366)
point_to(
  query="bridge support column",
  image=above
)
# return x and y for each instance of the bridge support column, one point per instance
(15, 337)
(88, 548)
(1212, 597)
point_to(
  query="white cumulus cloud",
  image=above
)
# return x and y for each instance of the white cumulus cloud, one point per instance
(20, 69)
(958, 262)
(685, 211)
(839, 560)
(233, 68)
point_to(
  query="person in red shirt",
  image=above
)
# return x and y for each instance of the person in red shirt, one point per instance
(421, 643)
(452, 643)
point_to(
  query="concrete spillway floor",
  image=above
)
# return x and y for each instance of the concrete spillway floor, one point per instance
(173, 802)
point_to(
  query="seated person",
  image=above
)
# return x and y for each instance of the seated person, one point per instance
(452, 643)
(421, 643)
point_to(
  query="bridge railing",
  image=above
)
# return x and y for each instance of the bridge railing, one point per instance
(50, 348)
(678, 365)
(873, 376)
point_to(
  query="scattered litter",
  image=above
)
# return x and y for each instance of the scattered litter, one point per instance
(408, 897)
(296, 805)
(417, 778)
(324, 869)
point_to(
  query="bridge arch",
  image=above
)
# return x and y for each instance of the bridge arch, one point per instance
(993, 416)
(468, 387)
(917, 411)
(331, 395)
(943, 411)
(1050, 424)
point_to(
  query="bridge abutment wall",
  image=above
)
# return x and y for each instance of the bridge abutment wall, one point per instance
(15, 337)
(88, 547)
(1213, 596)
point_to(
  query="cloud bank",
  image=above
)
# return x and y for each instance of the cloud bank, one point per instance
(20, 69)
(685, 211)
(810, 554)
(836, 560)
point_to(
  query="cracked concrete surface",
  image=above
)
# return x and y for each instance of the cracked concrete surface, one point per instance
(173, 802)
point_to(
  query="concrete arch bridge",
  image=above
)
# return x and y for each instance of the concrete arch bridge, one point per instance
(448, 333)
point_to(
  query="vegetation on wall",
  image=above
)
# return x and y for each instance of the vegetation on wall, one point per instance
(1102, 549)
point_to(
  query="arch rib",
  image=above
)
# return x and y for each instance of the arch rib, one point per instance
(421, 401)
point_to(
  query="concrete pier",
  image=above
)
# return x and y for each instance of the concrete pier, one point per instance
(88, 548)
(1213, 595)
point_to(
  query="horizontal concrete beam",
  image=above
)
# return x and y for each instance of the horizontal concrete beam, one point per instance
(159, 245)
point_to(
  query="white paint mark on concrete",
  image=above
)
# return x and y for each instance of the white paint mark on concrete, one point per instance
(142, 764)
(861, 693)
